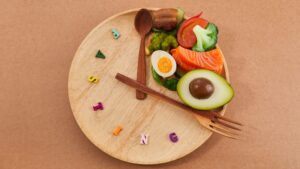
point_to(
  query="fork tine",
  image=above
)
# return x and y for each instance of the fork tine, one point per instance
(225, 128)
(206, 122)
(227, 119)
(225, 124)
(228, 132)
(223, 132)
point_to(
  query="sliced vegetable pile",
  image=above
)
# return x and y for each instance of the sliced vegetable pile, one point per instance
(184, 58)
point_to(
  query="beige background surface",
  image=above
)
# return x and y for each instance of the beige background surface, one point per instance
(38, 40)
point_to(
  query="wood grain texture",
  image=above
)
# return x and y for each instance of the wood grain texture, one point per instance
(141, 70)
(121, 108)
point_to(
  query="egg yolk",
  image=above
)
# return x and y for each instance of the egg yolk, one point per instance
(164, 65)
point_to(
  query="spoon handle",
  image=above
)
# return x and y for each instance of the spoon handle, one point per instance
(141, 70)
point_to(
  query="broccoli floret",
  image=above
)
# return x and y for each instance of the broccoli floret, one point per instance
(206, 38)
(155, 43)
(163, 41)
(213, 35)
(162, 35)
(169, 41)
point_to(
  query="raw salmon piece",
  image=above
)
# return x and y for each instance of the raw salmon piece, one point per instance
(183, 65)
(189, 60)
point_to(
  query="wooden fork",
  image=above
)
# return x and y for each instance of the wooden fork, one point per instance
(211, 120)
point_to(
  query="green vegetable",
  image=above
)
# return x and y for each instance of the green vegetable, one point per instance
(161, 41)
(157, 30)
(179, 16)
(172, 32)
(169, 42)
(206, 38)
(170, 83)
(179, 72)
(156, 77)
(100, 55)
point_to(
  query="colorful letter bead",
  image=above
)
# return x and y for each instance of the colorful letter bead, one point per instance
(117, 130)
(144, 139)
(115, 33)
(100, 55)
(93, 79)
(173, 137)
(99, 106)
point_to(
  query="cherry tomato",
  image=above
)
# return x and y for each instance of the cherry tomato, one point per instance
(185, 35)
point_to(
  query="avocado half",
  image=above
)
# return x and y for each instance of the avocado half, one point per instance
(222, 94)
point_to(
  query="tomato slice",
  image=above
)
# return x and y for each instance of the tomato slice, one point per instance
(185, 34)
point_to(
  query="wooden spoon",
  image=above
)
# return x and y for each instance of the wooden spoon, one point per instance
(143, 25)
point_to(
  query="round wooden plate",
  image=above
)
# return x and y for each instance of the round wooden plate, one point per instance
(121, 108)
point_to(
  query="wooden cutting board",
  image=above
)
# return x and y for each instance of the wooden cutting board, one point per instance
(151, 116)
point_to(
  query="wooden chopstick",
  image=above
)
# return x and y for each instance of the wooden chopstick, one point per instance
(130, 82)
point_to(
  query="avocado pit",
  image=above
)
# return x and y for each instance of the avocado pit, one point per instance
(201, 88)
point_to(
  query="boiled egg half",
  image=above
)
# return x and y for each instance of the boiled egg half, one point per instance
(163, 63)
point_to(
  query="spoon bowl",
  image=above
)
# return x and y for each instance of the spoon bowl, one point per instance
(143, 22)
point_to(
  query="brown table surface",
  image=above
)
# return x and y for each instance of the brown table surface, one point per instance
(38, 40)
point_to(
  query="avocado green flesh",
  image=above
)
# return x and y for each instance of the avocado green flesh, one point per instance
(223, 92)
